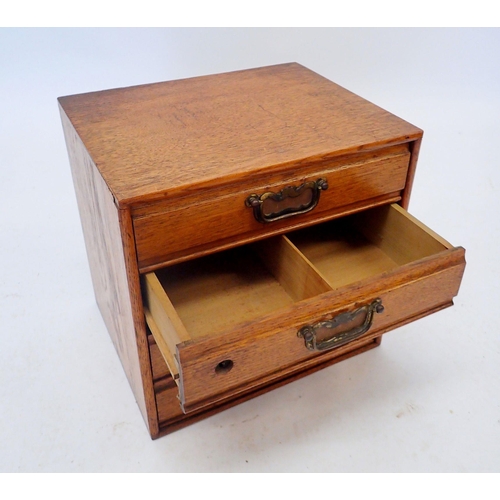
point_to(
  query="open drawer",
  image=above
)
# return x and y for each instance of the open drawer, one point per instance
(235, 320)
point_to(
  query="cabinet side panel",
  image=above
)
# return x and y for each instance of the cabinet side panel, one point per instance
(109, 250)
(415, 150)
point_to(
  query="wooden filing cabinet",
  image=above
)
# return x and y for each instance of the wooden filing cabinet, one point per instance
(246, 229)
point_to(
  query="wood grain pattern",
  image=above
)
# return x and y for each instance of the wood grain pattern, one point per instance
(169, 138)
(409, 277)
(216, 292)
(165, 350)
(158, 365)
(160, 305)
(388, 227)
(113, 265)
(367, 244)
(162, 172)
(172, 418)
(135, 297)
(270, 347)
(340, 254)
(415, 150)
(294, 223)
(295, 273)
(165, 230)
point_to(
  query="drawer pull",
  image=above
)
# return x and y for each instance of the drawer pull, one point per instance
(292, 200)
(309, 332)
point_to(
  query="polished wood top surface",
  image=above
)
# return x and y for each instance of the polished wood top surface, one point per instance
(161, 140)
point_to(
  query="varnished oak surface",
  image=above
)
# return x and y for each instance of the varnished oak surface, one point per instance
(164, 230)
(171, 417)
(161, 173)
(113, 265)
(279, 228)
(269, 347)
(397, 259)
(159, 140)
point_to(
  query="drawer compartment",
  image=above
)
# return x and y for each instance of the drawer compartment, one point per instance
(173, 230)
(200, 299)
(233, 321)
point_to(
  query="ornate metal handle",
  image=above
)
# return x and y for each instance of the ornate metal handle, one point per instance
(309, 332)
(289, 201)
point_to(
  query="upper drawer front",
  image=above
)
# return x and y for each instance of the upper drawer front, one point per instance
(173, 231)
(231, 322)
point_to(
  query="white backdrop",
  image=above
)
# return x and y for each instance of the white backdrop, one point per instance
(427, 400)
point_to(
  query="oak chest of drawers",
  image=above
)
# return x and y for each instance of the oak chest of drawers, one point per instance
(247, 229)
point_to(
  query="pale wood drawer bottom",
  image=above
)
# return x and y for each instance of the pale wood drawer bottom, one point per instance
(227, 324)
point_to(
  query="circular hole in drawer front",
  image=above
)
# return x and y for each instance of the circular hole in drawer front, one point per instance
(224, 367)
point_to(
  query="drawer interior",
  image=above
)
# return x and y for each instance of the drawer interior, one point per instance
(217, 292)
(227, 291)
(367, 244)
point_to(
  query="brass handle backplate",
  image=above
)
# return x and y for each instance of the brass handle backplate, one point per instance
(309, 332)
(292, 200)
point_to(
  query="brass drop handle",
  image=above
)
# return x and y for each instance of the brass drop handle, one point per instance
(292, 200)
(309, 332)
